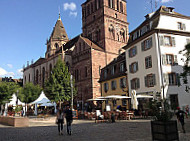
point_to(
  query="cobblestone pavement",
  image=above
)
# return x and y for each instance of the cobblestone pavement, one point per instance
(84, 130)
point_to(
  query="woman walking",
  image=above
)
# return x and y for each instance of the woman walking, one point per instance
(60, 121)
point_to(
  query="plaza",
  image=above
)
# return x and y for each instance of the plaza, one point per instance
(85, 130)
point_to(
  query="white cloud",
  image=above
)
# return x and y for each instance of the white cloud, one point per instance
(73, 14)
(20, 73)
(10, 66)
(165, 1)
(4, 73)
(72, 6)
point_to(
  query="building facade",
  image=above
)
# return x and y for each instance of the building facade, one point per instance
(113, 81)
(152, 56)
(105, 32)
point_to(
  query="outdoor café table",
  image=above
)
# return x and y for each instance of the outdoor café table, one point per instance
(129, 115)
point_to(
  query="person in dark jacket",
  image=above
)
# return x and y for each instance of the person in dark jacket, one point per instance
(180, 117)
(69, 119)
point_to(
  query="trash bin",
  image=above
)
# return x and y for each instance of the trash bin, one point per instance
(113, 117)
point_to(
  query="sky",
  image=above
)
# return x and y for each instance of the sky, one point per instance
(26, 24)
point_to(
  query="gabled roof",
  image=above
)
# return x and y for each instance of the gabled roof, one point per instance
(91, 44)
(71, 43)
(59, 31)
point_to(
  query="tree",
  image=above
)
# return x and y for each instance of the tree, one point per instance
(58, 86)
(29, 92)
(6, 91)
(186, 67)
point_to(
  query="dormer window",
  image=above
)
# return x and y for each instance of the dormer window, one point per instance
(181, 26)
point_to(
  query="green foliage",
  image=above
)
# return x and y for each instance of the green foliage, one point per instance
(29, 92)
(6, 91)
(186, 67)
(161, 114)
(58, 86)
(18, 109)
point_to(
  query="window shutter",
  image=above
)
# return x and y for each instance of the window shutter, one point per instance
(130, 69)
(175, 60)
(137, 66)
(145, 81)
(132, 85)
(142, 46)
(184, 27)
(154, 79)
(135, 50)
(124, 82)
(129, 52)
(173, 41)
(178, 79)
(164, 59)
(150, 42)
(138, 83)
(161, 39)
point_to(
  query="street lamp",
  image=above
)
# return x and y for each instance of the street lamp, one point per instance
(71, 92)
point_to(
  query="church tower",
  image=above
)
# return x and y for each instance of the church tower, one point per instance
(105, 23)
(57, 39)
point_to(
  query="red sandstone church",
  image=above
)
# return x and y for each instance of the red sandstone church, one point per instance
(105, 32)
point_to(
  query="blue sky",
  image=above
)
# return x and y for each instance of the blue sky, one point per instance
(26, 24)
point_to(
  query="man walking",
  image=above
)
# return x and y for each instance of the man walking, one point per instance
(180, 117)
(69, 119)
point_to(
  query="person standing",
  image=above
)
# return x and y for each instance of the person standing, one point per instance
(60, 121)
(180, 117)
(69, 119)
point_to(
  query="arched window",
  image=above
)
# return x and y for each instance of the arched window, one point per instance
(29, 78)
(122, 33)
(25, 79)
(43, 76)
(56, 45)
(37, 73)
(50, 69)
(111, 31)
(110, 3)
(121, 7)
(117, 5)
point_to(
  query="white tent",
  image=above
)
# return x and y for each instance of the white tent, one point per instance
(44, 101)
(117, 97)
(13, 101)
(41, 99)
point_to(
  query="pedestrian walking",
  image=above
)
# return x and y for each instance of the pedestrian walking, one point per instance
(69, 119)
(60, 121)
(180, 117)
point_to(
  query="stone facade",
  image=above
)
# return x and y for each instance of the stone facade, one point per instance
(105, 32)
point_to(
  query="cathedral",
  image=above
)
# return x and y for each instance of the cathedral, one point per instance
(104, 33)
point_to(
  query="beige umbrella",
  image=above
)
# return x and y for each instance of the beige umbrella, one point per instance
(134, 100)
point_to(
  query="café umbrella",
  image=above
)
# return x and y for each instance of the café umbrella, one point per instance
(134, 100)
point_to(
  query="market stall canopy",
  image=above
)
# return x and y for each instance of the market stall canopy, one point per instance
(41, 99)
(13, 101)
(48, 104)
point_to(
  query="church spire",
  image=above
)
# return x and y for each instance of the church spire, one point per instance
(59, 14)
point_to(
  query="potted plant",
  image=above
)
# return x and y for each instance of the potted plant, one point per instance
(162, 127)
